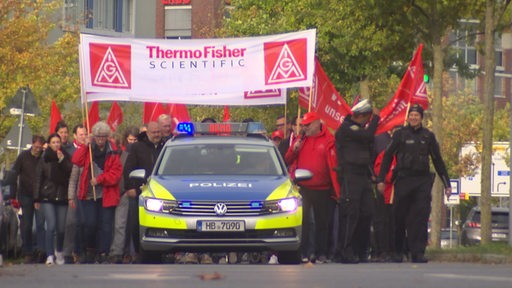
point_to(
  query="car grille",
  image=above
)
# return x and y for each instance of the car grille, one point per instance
(206, 208)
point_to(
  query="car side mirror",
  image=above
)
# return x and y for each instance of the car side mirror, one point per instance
(302, 174)
(137, 174)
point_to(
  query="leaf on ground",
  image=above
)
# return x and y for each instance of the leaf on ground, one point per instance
(210, 276)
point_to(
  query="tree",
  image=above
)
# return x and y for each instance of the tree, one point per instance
(494, 11)
(26, 58)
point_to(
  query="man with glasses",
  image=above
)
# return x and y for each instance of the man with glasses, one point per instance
(25, 169)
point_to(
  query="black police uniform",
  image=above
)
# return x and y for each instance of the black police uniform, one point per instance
(354, 145)
(412, 186)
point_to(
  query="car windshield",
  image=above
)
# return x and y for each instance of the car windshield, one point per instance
(220, 159)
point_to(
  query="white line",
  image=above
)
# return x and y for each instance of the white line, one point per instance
(471, 277)
(140, 276)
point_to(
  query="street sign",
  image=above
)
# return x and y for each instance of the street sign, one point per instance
(23, 99)
(11, 140)
(455, 196)
(500, 172)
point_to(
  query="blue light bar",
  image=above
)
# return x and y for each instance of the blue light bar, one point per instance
(186, 204)
(185, 128)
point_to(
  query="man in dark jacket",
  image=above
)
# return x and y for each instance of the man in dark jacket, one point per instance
(143, 155)
(354, 145)
(25, 169)
(412, 146)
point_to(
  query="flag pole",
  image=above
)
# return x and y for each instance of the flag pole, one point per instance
(285, 117)
(86, 110)
(310, 97)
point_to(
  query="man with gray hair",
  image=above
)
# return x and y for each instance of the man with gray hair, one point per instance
(165, 126)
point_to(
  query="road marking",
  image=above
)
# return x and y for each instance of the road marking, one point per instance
(140, 276)
(471, 277)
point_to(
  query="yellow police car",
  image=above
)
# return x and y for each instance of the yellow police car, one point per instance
(220, 187)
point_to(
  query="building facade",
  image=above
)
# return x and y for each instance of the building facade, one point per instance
(463, 42)
(169, 19)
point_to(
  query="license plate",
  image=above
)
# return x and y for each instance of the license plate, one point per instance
(220, 226)
(499, 235)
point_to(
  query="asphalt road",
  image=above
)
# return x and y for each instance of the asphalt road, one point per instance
(437, 275)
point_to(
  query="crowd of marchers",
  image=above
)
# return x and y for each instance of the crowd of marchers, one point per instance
(85, 206)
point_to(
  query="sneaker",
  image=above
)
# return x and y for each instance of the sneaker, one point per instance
(273, 260)
(321, 260)
(223, 259)
(59, 258)
(190, 258)
(50, 261)
(205, 259)
(127, 259)
(245, 258)
(169, 258)
(232, 258)
(304, 260)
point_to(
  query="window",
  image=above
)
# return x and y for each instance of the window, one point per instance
(498, 87)
(178, 22)
(109, 15)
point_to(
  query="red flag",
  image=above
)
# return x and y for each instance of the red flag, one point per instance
(179, 113)
(326, 101)
(94, 115)
(412, 90)
(115, 117)
(152, 111)
(226, 117)
(55, 117)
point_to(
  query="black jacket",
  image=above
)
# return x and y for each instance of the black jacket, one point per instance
(143, 155)
(52, 177)
(412, 148)
(354, 145)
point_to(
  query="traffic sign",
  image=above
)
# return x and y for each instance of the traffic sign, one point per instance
(25, 100)
(12, 139)
(455, 196)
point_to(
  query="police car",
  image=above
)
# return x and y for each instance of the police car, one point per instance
(220, 187)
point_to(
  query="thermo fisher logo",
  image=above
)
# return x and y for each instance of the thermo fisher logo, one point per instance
(285, 61)
(110, 65)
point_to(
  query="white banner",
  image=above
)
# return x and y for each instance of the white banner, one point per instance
(197, 71)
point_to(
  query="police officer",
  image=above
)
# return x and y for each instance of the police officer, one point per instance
(412, 146)
(354, 146)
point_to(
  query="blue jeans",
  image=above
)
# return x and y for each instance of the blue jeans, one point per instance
(27, 221)
(55, 217)
(97, 223)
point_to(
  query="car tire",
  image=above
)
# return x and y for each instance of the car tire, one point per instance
(289, 257)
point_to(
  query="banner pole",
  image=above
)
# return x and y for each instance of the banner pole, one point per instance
(310, 97)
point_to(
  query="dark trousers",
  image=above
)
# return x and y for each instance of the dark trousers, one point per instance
(383, 228)
(356, 211)
(97, 224)
(132, 228)
(412, 209)
(27, 221)
(316, 202)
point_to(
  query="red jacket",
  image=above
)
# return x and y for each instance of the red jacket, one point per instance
(109, 179)
(318, 155)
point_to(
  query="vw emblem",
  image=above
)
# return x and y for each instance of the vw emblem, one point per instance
(220, 209)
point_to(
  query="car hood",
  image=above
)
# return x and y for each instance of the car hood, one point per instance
(216, 188)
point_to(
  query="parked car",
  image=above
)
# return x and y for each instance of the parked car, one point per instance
(449, 240)
(471, 228)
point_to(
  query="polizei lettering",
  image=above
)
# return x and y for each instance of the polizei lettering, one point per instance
(221, 185)
(207, 57)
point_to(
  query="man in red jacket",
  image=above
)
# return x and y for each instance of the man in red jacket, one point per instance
(315, 151)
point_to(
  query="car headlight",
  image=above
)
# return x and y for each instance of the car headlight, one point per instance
(158, 205)
(282, 205)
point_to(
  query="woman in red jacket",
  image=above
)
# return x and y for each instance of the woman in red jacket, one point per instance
(98, 193)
